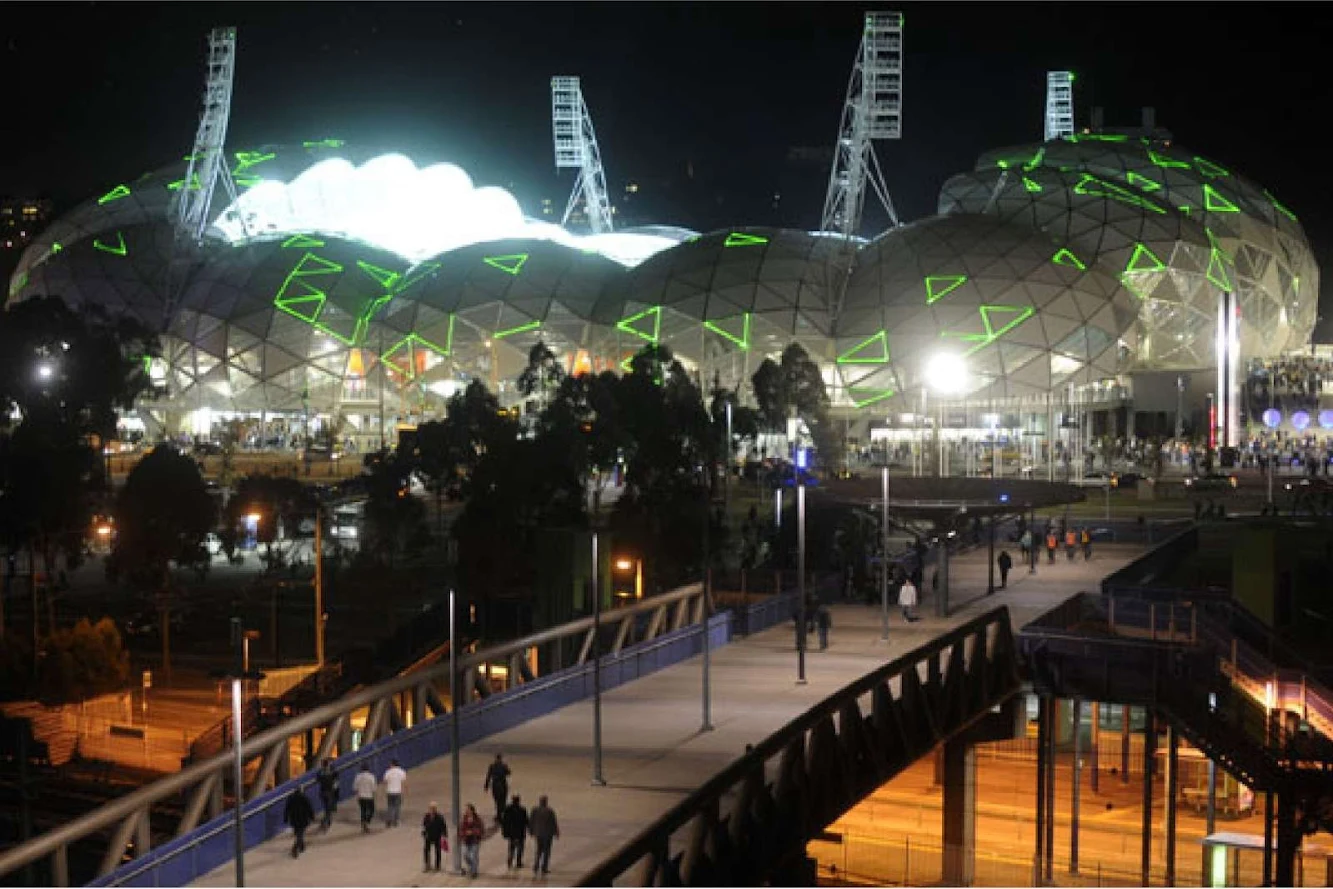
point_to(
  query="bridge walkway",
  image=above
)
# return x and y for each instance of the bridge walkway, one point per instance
(654, 753)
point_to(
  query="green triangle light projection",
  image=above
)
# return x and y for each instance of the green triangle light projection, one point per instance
(115, 194)
(741, 338)
(1210, 169)
(872, 350)
(1162, 160)
(1217, 271)
(1144, 260)
(1215, 203)
(301, 299)
(1142, 182)
(118, 249)
(510, 263)
(1128, 281)
(382, 277)
(862, 396)
(176, 186)
(639, 325)
(1091, 186)
(324, 143)
(981, 340)
(302, 241)
(1064, 256)
(940, 286)
(521, 328)
(740, 239)
(244, 161)
(1031, 185)
(407, 367)
(1281, 209)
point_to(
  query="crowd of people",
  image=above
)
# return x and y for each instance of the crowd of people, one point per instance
(515, 822)
(1286, 384)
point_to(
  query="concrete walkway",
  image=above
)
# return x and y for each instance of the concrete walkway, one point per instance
(653, 752)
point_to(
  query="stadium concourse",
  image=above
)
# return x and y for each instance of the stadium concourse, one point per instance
(654, 752)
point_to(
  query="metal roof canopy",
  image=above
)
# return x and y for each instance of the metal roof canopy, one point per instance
(940, 499)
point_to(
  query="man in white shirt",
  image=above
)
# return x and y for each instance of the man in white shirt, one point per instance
(394, 780)
(364, 786)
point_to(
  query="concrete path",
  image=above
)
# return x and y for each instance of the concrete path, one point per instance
(653, 751)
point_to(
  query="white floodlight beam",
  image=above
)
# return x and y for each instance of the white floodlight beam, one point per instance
(873, 110)
(576, 148)
(1059, 104)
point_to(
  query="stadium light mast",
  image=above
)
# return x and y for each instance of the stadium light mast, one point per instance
(206, 164)
(1059, 104)
(576, 147)
(873, 111)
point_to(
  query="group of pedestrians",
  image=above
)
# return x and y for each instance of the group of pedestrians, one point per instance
(516, 823)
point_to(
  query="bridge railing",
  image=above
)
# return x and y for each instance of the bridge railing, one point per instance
(779, 794)
(392, 707)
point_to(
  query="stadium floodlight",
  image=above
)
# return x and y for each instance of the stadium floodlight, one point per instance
(946, 373)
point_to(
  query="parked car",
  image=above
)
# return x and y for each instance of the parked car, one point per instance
(1214, 481)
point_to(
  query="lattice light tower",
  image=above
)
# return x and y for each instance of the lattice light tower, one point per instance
(1059, 104)
(576, 147)
(873, 111)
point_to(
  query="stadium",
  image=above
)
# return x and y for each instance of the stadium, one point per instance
(330, 289)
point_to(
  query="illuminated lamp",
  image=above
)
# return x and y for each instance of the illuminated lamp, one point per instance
(1326, 419)
(1300, 420)
(1272, 417)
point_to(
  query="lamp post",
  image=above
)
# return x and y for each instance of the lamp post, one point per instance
(597, 778)
(802, 460)
(884, 562)
(454, 742)
(319, 585)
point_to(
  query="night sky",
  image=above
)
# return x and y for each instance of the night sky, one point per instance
(700, 104)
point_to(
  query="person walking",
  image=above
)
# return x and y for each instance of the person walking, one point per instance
(1086, 536)
(545, 829)
(1051, 544)
(907, 599)
(514, 827)
(298, 813)
(328, 793)
(497, 782)
(470, 832)
(364, 785)
(1004, 563)
(394, 780)
(434, 835)
(1071, 543)
(823, 620)
(1025, 544)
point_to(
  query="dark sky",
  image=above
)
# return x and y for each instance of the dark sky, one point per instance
(98, 93)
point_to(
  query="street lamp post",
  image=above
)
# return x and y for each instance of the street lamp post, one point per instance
(802, 460)
(884, 563)
(454, 734)
(597, 778)
(238, 776)
(319, 585)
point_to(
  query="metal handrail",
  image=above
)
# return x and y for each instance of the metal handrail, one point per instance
(127, 815)
(646, 841)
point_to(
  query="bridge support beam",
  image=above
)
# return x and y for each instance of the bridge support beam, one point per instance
(959, 810)
(1124, 743)
(1149, 752)
(1172, 784)
(1288, 842)
(1076, 781)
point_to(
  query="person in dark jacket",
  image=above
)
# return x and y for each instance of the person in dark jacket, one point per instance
(497, 782)
(328, 793)
(1005, 563)
(545, 830)
(823, 620)
(433, 836)
(298, 813)
(514, 827)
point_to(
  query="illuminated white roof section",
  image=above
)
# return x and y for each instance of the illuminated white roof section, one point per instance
(390, 203)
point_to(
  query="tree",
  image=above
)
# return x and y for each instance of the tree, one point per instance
(82, 662)
(795, 384)
(163, 515)
(279, 502)
(394, 519)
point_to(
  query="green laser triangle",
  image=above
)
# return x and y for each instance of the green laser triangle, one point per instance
(1031, 185)
(862, 396)
(118, 249)
(311, 264)
(511, 263)
(939, 286)
(740, 239)
(1020, 313)
(382, 277)
(115, 194)
(1217, 270)
(1142, 182)
(1162, 160)
(306, 304)
(302, 241)
(1144, 260)
(873, 350)
(1064, 256)
(645, 325)
(1210, 169)
(737, 329)
(1215, 203)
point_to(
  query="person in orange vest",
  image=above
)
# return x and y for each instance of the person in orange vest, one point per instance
(1051, 544)
(1071, 543)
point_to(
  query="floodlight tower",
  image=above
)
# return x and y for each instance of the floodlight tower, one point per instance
(1059, 104)
(576, 147)
(206, 165)
(873, 111)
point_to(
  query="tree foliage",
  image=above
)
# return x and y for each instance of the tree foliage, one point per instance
(277, 501)
(78, 663)
(794, 384)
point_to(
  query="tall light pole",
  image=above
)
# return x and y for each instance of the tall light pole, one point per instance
(454, 733)
(884, 562)
(597, 778)
(238, 776)
(319, 585)
(802, 460)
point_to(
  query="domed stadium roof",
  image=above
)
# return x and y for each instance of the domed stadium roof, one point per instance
(1175, 227)
(1024, 315)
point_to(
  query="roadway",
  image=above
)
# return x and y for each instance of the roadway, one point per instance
(654, 753)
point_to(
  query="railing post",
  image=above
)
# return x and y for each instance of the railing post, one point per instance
(1110, 612)
(1194, 624)
(1152, 620)
(60, 866)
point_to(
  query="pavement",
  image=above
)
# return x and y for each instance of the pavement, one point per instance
(654, 753)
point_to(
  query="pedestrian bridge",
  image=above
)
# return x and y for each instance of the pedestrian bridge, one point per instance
(655, 754)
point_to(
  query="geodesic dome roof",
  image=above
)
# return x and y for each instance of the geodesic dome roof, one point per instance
(1175, 227)
(1006, 298)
